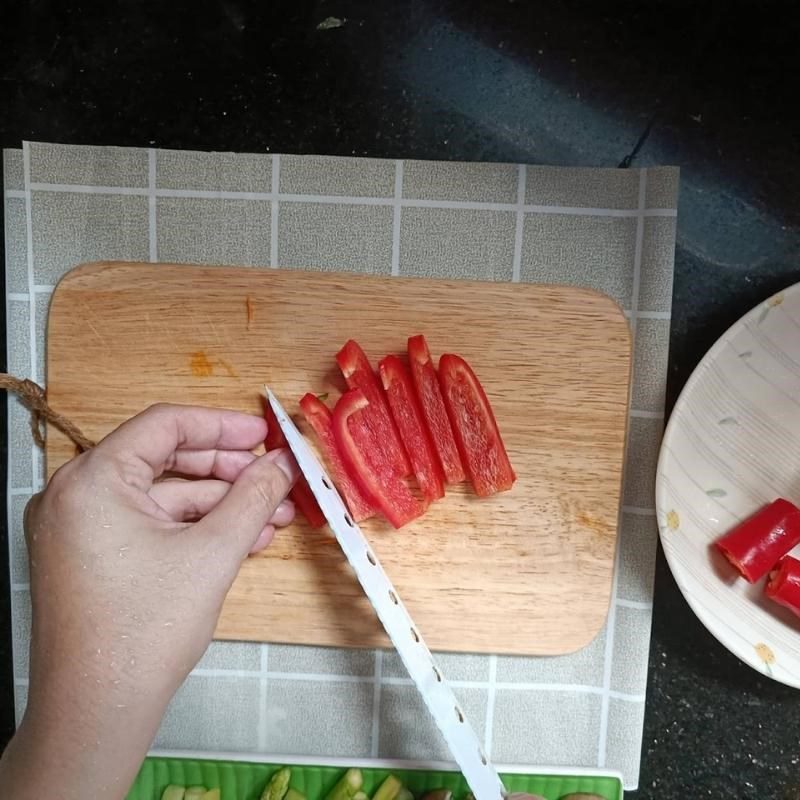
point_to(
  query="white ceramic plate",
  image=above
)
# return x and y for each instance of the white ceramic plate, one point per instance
(731, 446)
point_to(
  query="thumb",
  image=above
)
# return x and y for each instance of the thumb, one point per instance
(252, 499)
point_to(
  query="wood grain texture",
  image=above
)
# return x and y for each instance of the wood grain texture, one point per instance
(526, 572)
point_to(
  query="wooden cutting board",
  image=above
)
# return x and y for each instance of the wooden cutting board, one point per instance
(526, 572)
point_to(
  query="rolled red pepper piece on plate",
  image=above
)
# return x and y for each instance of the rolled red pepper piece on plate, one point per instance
(320, 418)
(430, 397)
(358, 374)
(301, 494)
(371, 466)
(407, 413)
(784, 584)
(477, 435)
(756, 545)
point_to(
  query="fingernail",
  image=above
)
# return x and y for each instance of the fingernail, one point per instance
(264, 538)
(284, 460)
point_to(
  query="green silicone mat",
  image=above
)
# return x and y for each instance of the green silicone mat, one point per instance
(241, 780)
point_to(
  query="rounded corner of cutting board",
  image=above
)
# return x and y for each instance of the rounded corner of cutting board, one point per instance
(587, 635)
(606, 303)
(82, 271)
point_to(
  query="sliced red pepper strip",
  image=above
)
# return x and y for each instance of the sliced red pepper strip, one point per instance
(305, 502)
(358, 374)
(756, 545)
(407, 414)
(429, 393)
(371, 466)
(784, 584)
(320, 418)
(477, 435)
(301, 494)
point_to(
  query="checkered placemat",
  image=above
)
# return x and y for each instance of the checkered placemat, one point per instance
(612, 230)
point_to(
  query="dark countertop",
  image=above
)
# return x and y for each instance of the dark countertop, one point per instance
(551, 82)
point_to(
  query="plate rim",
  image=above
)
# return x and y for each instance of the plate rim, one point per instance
(669, 431)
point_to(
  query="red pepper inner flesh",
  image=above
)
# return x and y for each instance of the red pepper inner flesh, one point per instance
(430, 397)
(477, 435)
(784, 584)
(408, 417)
(372, 467)
(320, 418)
(756, 545)
(358, 374)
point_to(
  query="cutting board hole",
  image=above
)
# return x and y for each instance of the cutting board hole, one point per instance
(459, 714)
(437, 674)
(415, 634)
(393, 597)
(326, 484)
(371, 559)
(483, 758)
(350, 522)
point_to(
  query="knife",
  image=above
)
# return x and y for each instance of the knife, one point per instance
(464, 745)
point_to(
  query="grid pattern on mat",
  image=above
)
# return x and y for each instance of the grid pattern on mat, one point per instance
(607, 229)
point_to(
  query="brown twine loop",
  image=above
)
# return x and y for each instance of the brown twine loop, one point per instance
(33, 397)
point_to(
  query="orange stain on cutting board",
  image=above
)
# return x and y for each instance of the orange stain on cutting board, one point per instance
(200, 365)
(593, 523)
(203, 367)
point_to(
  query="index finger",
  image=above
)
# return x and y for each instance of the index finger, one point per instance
(155, 434)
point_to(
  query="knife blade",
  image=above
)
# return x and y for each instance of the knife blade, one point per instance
(459, 735)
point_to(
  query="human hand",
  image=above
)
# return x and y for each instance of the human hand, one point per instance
(128, 574)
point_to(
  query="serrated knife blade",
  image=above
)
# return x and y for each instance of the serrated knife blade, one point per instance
(459, 735)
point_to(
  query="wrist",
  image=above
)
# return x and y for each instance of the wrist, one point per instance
(79, 738)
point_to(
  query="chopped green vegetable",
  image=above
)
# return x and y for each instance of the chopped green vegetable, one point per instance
(195, 793)
(278, 785)
(293, 794)
(323, 396)
(360, 796)
(389, 789)
(347, 787)
(211, 794)
(174, 793)
(404, 794)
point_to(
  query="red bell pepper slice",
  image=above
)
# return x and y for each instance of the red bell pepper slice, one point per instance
(430, 397)
(358, 374)
(756, 545)
(372, 467)
(320, 418)
(405, 408)
(784, 584)
(477, 435)
(301, 494)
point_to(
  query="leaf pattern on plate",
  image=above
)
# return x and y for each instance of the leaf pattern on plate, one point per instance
(673, 520)
(764, 652)
(728, 421)
(773, 302)
(716, 492)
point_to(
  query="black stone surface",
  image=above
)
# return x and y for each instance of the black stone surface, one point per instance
(548, 82)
